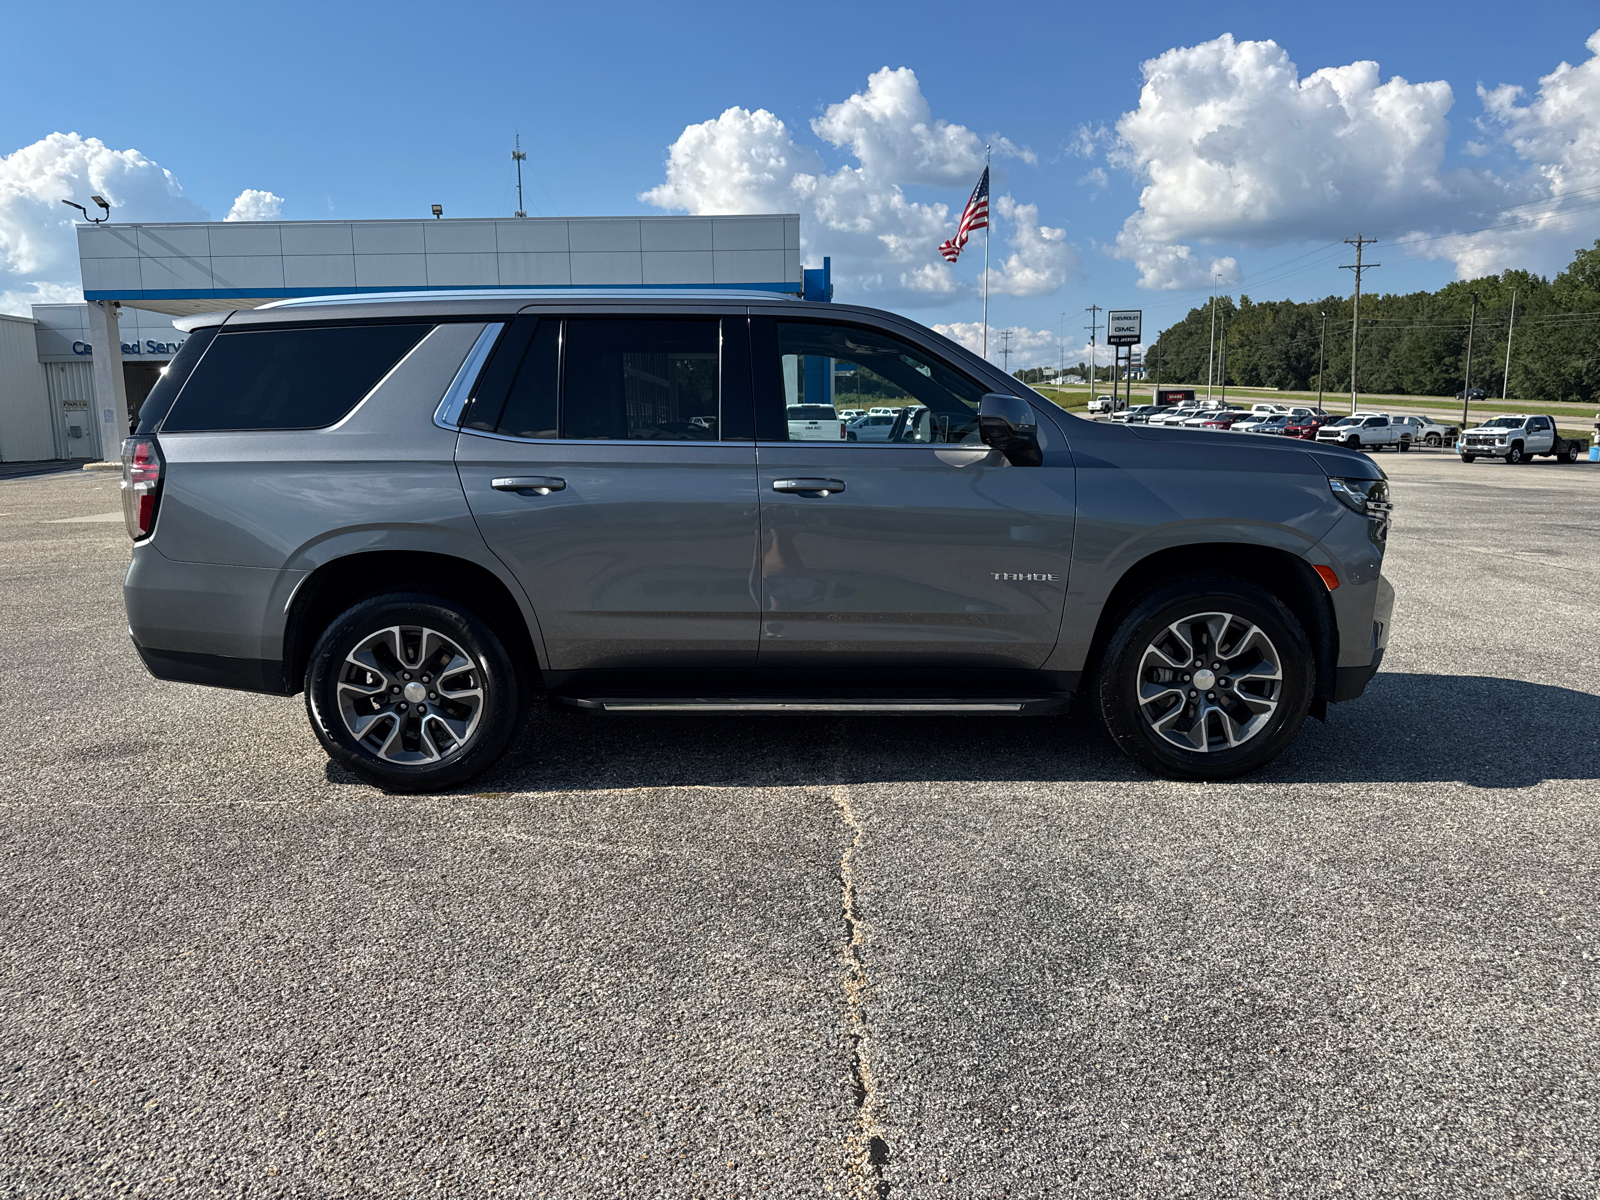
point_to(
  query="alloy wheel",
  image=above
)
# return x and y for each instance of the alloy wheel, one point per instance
(411, 695)
(1210, 681)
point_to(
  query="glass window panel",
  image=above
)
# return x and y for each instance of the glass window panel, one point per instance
(896, 392)
(627, 380)
(288, 378)
(530, 410)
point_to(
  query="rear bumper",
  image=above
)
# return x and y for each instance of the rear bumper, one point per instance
(214, 670)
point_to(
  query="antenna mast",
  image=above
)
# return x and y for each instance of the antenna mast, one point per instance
(517, 156)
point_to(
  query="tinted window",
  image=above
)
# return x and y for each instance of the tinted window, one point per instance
(530, 410)
(640, 379)
(288, 378)
(841, 366)
(173, 377)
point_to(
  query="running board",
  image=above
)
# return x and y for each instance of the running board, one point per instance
(1029, 705)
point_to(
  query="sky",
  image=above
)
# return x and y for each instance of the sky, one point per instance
(1141, 154)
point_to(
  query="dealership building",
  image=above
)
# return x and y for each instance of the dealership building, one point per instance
(71, 373)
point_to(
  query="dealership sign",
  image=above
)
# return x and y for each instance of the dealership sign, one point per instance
(150, 346)
(1123, 326)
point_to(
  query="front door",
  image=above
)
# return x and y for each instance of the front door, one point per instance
(921, 550)
(599, 463)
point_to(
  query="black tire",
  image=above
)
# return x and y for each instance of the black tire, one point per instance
(1515, 455)
(1353, 442)
(1570, 454)
(1405, 444)
(1432, 439)
(432, 756)
(1469, 458)
(1123, 668)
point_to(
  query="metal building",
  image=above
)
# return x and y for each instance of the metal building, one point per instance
(70, 376)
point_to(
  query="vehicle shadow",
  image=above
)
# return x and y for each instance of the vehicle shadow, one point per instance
(1487, 732)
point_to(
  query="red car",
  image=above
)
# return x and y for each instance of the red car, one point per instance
(1224, 418)
(1306, 427)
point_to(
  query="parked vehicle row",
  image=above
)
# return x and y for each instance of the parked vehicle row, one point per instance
(1365, 430)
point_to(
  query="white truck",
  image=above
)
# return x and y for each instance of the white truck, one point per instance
(1367, 431)
(1519, 438)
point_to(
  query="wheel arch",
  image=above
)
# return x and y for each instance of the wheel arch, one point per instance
(1284, 574)
(337, 584)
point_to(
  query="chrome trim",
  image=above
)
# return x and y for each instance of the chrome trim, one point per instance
(504, 437)
(533, 294)
(448, 414)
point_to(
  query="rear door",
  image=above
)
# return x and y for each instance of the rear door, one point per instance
(923, 550)
(1541, 435)
(609, 462)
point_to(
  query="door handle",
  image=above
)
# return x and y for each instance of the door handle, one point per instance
(541, 485)
(822, 487)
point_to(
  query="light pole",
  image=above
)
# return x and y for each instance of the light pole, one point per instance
(1322, 348)
(1211, 353)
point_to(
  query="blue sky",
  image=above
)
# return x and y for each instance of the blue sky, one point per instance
(378, 111)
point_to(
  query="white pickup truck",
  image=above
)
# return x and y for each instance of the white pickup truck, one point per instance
(1518, 438)
(1367, 431)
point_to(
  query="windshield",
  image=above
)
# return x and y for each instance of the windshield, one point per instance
(1350, 421)
(811, 412)
(1504, 423)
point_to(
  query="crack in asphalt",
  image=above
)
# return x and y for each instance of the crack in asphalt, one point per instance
(870, 1148)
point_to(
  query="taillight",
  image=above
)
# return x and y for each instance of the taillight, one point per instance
(141, 485)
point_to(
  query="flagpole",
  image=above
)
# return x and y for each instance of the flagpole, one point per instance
(986, 224)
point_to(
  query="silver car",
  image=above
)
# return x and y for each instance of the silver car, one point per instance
(427, 512)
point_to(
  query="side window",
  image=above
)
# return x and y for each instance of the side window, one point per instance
(1539, 423)
(287, 378)
(636, 378)
(531, 404)
(909, 396)
(1374, 421)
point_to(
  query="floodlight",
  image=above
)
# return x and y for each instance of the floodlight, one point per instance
(101, 201)
(438, 211)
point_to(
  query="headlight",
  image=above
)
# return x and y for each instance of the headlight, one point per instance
(1369, 497)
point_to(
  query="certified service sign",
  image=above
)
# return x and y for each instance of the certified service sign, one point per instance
(1123, 326)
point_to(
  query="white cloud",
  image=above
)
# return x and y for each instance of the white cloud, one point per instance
(1041, 257)
(255, 205)
(1234, 145)
(1556, 134)
(20, 303)
(1029, 347)
(38, 248)
(1086, 141)
(880, 239)
(1095, 178)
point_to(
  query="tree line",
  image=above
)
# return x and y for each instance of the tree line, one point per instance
(1412, 344)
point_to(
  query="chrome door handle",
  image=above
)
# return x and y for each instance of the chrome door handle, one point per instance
(821, 487)
(541, 485)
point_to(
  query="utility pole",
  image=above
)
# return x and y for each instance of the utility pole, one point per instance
(518, 157)
(1505, 384)
(1094, 327)
(1211, 353)
(1005, 350)
(1223, 372)
(1466, 385)
(1322, 347)
(1355, 316)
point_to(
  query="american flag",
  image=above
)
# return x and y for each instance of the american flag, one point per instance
(974, 216)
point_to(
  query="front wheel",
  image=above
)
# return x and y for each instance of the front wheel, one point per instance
(1469, 458)
(1515, 455)
(1353, 442)
(1432, 439)
(1208, 677)
(1405, 444)
(411, 692)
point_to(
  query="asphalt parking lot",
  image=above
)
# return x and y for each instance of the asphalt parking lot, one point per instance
(710, 956)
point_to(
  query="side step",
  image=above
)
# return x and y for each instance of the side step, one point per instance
(1011, 706)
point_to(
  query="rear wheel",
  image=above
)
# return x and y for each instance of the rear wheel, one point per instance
(411, 692)
(1209, 677)
(1570, 454)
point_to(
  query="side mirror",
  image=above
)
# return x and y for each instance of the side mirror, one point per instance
(1007, 424)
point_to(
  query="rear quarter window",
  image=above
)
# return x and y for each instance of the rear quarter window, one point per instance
(287, 378)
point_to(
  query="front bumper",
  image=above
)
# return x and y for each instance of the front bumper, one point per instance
(1350, 682)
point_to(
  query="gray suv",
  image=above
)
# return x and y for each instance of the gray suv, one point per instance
(427, 510)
